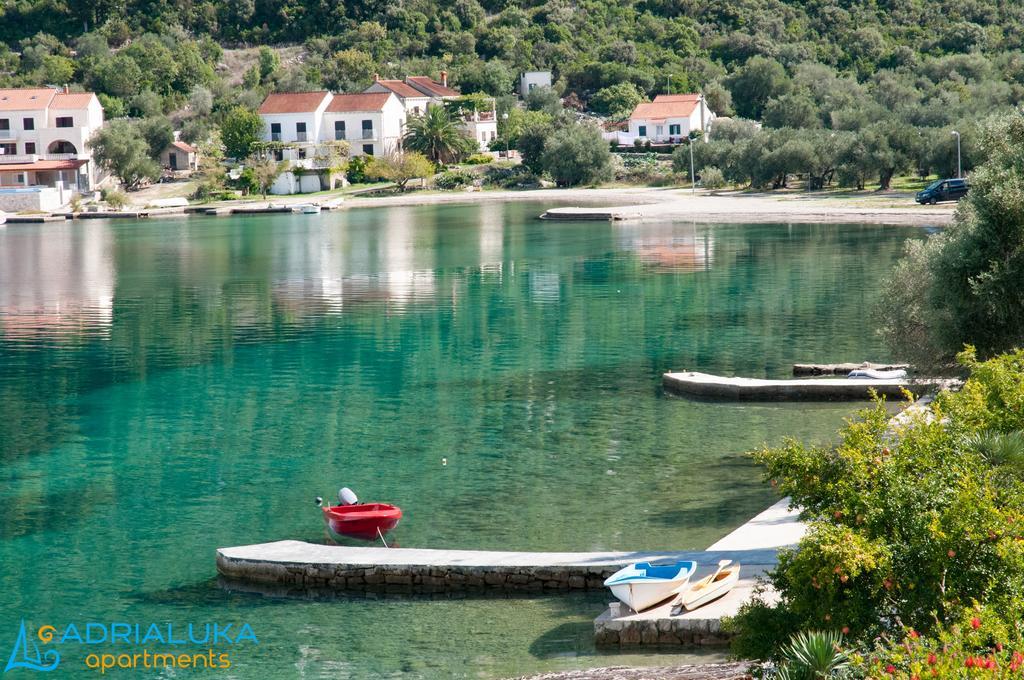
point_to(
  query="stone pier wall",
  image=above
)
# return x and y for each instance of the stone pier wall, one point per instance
(417, 578)
(659, 631)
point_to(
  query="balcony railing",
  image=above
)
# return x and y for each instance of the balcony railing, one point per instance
(300, 137)
(275, 136)
(368, 134)
(33, 157)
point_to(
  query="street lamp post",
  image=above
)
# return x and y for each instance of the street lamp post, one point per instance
(668, 84)
(504, 117)
(693, 177)
(959, 167)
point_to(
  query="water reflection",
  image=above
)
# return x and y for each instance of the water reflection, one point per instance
(685, 248)
(56, 281)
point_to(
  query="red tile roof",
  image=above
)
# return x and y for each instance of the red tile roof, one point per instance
(667, 106)
(26, 99)
(293, 102)
(367, 101)
(431, 86)
(42, 165)
(401, 88)
(184, 146)
(72, 100)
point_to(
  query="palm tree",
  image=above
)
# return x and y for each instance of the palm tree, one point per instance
(437, 136)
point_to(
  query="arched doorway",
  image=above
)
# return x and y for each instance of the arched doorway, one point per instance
(62, 146)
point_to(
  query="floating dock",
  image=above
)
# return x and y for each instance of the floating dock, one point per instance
(590, 214)
(844, 369)
(809, 389)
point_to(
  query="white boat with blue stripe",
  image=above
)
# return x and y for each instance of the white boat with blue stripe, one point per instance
(644, 584)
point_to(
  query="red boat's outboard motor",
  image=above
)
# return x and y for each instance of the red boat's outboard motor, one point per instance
(347, 496)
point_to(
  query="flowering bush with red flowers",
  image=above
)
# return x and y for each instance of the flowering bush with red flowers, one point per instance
(979, 646)
(910, 522)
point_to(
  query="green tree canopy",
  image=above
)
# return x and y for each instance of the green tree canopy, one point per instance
(120, 148)
(577, 154)
(241, 129)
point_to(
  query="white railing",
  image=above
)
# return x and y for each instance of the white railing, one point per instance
(34, 157)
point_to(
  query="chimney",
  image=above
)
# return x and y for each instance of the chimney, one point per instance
(66, 88)
(376, 77)
(444, 78)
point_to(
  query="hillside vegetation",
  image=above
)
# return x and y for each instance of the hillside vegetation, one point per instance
(920, 68)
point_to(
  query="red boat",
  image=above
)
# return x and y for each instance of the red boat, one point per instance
(367, 522)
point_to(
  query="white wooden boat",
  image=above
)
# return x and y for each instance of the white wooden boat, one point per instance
(309, 209)
(710, 587)
(3, 217)
(643, 584)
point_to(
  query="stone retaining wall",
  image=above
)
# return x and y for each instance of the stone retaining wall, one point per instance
(417, 578)
(661, 631)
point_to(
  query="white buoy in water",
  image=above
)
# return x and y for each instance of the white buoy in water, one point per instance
(444, 461)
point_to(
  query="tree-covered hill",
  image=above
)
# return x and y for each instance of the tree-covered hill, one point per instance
(917, 67)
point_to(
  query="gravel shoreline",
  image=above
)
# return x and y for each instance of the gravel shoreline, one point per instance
(714, 671)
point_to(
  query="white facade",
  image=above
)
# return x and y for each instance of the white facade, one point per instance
(369, 132)
(284, 124)
(44, 136)
(414, 101)
(532, 79)
(669, 119)
(483, 127)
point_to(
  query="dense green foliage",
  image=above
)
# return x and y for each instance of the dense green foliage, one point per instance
(121, 148)
(963, 285)
(910, 524)
(400, 168)
(436, 134)
(240, 130)
(577, 154)
(931, 65)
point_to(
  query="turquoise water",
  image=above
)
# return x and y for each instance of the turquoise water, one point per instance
(168, 387)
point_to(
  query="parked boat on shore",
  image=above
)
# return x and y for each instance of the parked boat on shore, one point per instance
(643, 584)
(711, 587)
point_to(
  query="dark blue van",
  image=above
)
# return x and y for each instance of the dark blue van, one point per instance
(943, 190)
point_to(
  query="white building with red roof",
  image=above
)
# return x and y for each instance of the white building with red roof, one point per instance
(304, 127)
(43, 141)
(668, 119)
(419, 92)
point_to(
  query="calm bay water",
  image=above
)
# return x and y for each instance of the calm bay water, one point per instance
(172, 386)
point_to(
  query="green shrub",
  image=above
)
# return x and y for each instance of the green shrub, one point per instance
(479, 159)
(509, 176)
(453, 179)
(115, 199)
(712, 178)
(908, 524)
(356, 171)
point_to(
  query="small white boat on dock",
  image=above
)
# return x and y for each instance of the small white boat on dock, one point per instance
(643, 584)
(308, 209)
(711, 587)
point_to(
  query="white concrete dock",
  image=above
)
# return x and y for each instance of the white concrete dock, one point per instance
(776, 527)
(806, 389)
(312, 565)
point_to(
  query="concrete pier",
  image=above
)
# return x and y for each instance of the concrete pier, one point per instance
(809, 389)
(759, 538)
(589, 214)
(310, 565)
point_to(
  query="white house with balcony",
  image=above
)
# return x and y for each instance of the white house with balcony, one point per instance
(669, 119)
(315, 131)
(414, 101)
(371, 122)
(44, 157)
(417, 93)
